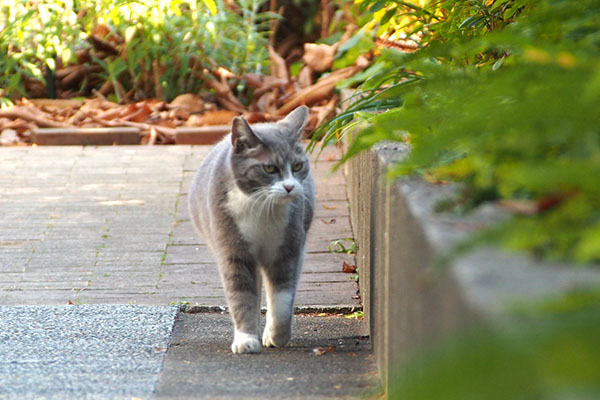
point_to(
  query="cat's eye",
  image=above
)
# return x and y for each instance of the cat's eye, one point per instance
(297, 167)
(270, 168)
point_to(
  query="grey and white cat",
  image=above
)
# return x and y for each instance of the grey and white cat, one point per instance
(252, 201)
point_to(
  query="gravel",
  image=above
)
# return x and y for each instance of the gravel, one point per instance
(82, 351)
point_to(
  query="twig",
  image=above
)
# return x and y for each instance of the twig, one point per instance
(38, 117)
(152, 138)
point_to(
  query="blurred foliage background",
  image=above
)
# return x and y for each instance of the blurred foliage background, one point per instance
(501, 96)
(161, 47)
(548, 350)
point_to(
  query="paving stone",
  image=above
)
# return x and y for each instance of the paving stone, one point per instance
(326, 262)
(111, 225)
(192, 254)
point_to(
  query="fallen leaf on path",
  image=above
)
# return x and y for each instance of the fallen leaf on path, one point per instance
(348, 268)
(319, 351)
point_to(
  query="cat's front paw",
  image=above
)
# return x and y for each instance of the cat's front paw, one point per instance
(244, 343)
(275, 339)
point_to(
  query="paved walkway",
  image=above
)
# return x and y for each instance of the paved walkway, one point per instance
(110, 225)
(96, 243)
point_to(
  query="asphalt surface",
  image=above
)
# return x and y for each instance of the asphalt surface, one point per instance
(82, 352)
(96, 244)
(329, 357)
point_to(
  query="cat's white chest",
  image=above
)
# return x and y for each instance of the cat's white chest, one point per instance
(262, 229)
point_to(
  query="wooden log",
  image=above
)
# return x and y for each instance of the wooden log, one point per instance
(86, 136)
(201, 134)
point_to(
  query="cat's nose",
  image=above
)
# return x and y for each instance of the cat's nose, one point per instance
(288, 188)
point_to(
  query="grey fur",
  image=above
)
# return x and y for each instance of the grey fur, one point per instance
(254, 211)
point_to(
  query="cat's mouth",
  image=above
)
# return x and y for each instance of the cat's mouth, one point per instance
(285, 198)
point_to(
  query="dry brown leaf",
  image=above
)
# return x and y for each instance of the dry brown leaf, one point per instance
(137, 112)
(226, 97)
(319, 57)
(224, 74)
(305, 77)
(330, 221)
(77, 118)
(98, 103)
(551, 200)
(218, 117)
(278, 66)
(18, 124)
(101, 30)
(254, 80)
(254, 117)
(55, 105)
(267, 103)
(108, 114)
(348, 269)
(103, 45)
(179, 114)
(324, 112)
(320, 351)
(189, 102)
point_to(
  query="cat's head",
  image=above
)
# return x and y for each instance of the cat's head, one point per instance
(267, 159)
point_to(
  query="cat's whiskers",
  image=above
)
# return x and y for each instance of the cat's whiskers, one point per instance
(259, 197)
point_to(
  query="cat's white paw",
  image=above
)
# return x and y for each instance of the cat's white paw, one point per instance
(275, 339)
(244, 343)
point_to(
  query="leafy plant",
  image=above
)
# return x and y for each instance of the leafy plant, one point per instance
(550, 351)
(32, 36)
(346, 245)
(356, 315)
(162, 48)
(502, 97)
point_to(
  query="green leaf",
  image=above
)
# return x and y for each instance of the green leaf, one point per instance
(378, 5)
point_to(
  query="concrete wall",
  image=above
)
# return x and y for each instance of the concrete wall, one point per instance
(409, 302)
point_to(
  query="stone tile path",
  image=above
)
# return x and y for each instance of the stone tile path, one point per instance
(87, 225)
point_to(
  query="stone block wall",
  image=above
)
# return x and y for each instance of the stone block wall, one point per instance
(409, 302)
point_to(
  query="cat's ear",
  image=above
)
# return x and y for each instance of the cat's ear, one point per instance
(295, 121)
(242, 136)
